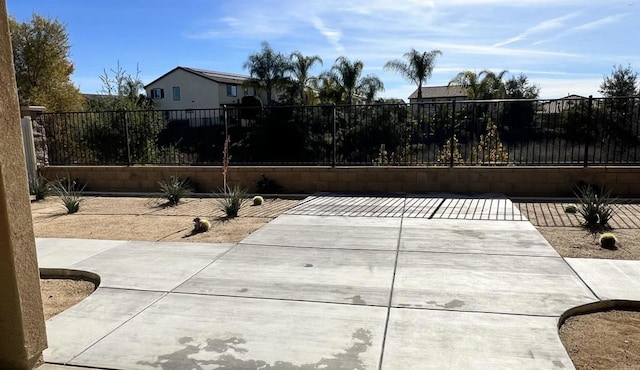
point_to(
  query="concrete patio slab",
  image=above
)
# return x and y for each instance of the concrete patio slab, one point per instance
(488, 283)
(76, 329)
(310, 274)
(329, 232)
(432, 339)
(63, 253)
(609, 279)
(150, 265)
(476, 286)
(187, 331)
(481, 237)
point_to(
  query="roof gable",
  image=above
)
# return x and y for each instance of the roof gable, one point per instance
(221, 77)
(433, 92)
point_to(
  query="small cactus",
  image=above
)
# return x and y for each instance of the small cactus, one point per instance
(258, 200)
(201, 225)
(608, 241)
(571, 208)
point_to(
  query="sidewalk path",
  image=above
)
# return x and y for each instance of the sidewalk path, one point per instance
(338, 282)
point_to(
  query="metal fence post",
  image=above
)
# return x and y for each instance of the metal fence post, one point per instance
(453, 142)
(127, 136)
(226, 121)
(589, 131)
(334, 144)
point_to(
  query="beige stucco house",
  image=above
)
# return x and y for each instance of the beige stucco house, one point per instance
(197, 95)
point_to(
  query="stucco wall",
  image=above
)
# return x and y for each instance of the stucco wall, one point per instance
(22, 328)
(513, 181)
(195, 92)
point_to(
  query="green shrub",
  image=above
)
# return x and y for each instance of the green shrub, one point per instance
(595, 208)
(175, 189)
(39, 187)
(608, 241)
(232, 201)
(69, 194)
(258, 200)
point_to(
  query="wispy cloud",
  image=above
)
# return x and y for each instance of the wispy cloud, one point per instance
(544, 26)
(599, 23)
(585, 27)
(332, 35)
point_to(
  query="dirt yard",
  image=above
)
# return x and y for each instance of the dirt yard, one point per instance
(616, 345)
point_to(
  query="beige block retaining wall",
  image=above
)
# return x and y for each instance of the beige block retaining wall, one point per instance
(512, 181)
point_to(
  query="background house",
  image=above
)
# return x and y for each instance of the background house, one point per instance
(196, 95)
(438, 93)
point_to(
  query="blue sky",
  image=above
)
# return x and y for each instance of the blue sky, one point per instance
(564, 46)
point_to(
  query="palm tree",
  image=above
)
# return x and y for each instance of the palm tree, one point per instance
(328, 89)
(267, 69)
(417, 68)
(347, 76)
(483, 85)
(369, 86)
(299, 66)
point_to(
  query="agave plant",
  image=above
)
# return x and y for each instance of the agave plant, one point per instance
(69, 193)
(233, 199)
(40, 187)
(595, 208)
(174, 189)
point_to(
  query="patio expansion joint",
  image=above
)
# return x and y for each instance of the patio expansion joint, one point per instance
(316, 247)
(477, 312)
(116, 328)
(204, 267)
(478, 254)
(275, 299)
(581, 279)
(393, 281)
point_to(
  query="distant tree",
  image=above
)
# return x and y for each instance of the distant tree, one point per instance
(121, 90)
(417, 68)
(622, 82)
(369, 86)
(328, 90)
(517, 123)
(299, 67)
(347, 74)
(519, 87)
(483, 85)
(267, 69)
(346, 77)
(620, 121)
(43, 69)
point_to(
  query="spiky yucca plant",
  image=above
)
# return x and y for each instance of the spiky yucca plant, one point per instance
(596, 209)
(233, 199)
(69, 194)
(40, 187)
(174, 189)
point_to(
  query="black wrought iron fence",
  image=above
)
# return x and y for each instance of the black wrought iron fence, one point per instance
(569, 131)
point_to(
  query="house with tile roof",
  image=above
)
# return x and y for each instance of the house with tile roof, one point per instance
(438, 93)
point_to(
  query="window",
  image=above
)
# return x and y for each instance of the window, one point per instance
(157, 93)
(232, 90)
(176, 93)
